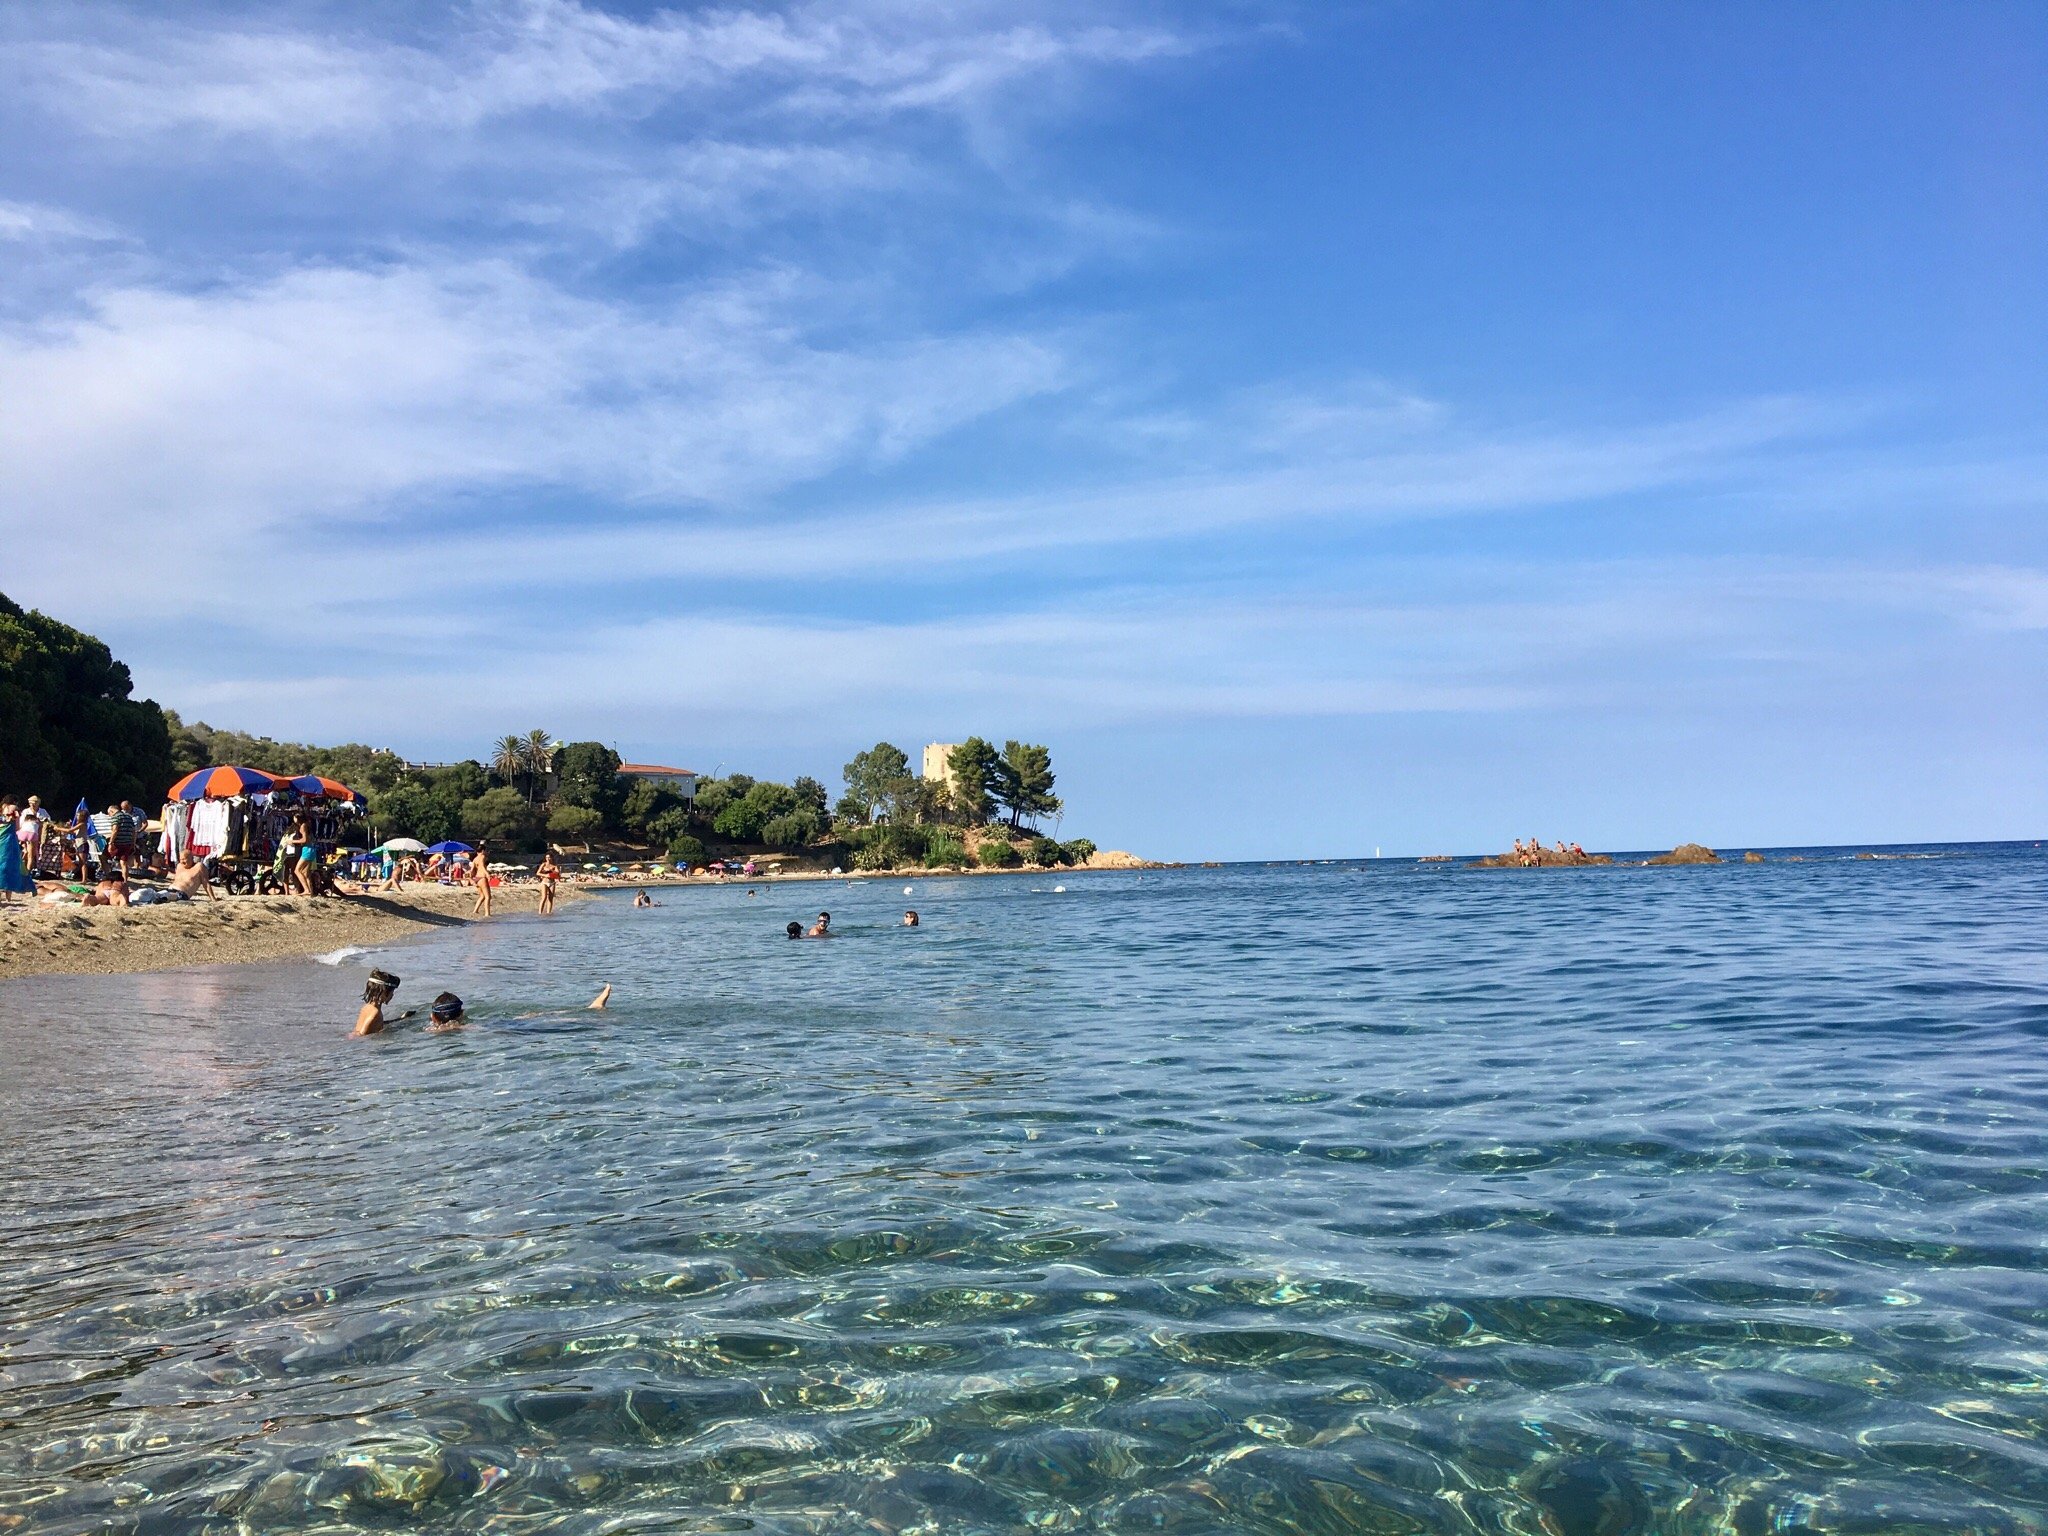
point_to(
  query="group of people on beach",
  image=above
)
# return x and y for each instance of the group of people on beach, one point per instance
(106, 845)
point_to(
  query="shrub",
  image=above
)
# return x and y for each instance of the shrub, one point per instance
(1078, 851)
(645, 803)
(500, 816)
(1044, 852)
(889, 846)
(576, 822)
(669, 825)
(945, 851)
(686, 848)
(998, 855)
(792, 829)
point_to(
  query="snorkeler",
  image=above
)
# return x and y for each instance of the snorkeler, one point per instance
(370, 1019)
(447, 1012)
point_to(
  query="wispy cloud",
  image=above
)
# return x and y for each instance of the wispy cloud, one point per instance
(340, 394)
(840, 61)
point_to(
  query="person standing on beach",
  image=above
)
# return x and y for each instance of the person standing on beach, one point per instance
(14, 880)
(549, 872)
(480, 872)
(29, 828)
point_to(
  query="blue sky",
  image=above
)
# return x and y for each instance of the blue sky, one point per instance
(1329, 427)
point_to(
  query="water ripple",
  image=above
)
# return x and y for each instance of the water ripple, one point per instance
(1326, 1199)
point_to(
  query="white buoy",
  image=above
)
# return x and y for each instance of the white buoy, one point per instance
(1057, 889)
(906, 890)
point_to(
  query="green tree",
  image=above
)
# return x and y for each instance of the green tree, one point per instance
(68, 727)
(646, 803)
(810, 792)
(537, 757)
(508, 759)
(1044, 852)
(587, 775)
(793, 829)
(974, 767)
(713, 796)
(407, 809)
(923, 800)
(945, 851)
(1023, 782)
(686, 848)
(574, 823)
(1079, 851)
(744, 819)
(997, 855)
(874, 781)
(501, 816)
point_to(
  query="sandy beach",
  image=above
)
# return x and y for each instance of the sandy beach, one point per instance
(45, 941)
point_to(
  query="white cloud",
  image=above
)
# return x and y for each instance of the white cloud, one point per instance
(40, 222)
(153, 75)
(338, 393)
(1570, 641)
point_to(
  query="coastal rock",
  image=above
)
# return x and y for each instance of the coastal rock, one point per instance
(1687, 853)
(1115, 858)
(1752, 857)
(1546, 858)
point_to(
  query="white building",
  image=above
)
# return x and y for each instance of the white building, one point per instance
(682, 780)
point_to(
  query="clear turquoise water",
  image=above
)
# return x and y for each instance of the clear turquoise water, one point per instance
(1329, 1199)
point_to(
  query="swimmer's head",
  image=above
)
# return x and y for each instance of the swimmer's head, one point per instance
(795, 930)
(381, 985)
(447, 1008)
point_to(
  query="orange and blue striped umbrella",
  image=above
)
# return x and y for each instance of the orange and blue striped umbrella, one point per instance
(312, 784)
(221, 784)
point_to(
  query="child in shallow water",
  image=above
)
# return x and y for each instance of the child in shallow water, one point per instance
(447, 1011)
(377, 992)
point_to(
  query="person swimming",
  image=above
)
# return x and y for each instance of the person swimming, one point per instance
(376, 993)
(449, 1013)
(642, 899)
(795, 930)
(822, 928)
(910, 918)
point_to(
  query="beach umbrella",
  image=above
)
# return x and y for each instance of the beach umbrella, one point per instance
(401, 845)
(222, 784)
(312, 784)
(451, 847)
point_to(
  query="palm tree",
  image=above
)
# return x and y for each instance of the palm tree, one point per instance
(508, 758)
(539, 759)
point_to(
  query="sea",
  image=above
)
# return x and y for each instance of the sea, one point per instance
(1336, 1197)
